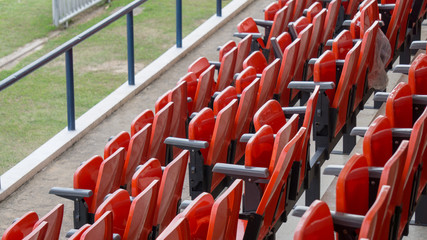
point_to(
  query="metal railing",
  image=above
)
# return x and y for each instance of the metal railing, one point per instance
(67, 49)
(64, 10)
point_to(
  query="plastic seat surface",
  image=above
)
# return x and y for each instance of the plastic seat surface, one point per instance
(121, 140)
(290, 14)
(377, 143)
(394, 25)
(224, 98)
(170, 190)
(299, 7)
(417, 76)
(21, 227)
(178, 95)
(201, 128)
(226, 48)
(245, 78)
(256, 60)
(304, 36)
(276, 28)
(225, 213)
(316, 223)
(369, 14)
(283, 136)
(373, 221)
(226, 71)
(399, 106)
(199, 66)
(191, 80)
(243, 50)
(198, 214)
(145, 175)
(352, 189)
(101, 229)
(260, 147)
(267, 83)
(54, 220)
(177, 230)
(38, 233)
(160, 131)
(270, 11)
(287, 71)
(331, 20)
(342, 44)
(313, 10)
(325, 71)
(284, 39)
(77, 235)
(270, 113)
(342, 94)
(318, 24)
(204, 89)
(143, 119)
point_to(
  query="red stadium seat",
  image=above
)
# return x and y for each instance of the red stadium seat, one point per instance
(316, 223)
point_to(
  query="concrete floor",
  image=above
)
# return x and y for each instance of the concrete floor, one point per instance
(33, 196)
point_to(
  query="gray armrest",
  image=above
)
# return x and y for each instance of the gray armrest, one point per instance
(346, 23)
(418, 45)
(189, 99)
(312, 61)
(186, 143)
(240, 171)
(402, 68)
(333, 170)
(381, 96)
(263, 23)
(294, 110)
(116, 236)
(292, 31)
(70, 193)
(70, 233)
(246, 137)
(304, 13)
(308, 85)
(277, 51)
(215, 63)
(386, 7)
(259, 75)
(339, 218)
(358, 131)
(401, 132)
(330, 42)
(215, 94)
(419, 99)
(184, 204)
(375, 172)
(340, 62)
(243, 35)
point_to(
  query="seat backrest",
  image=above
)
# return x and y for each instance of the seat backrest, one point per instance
(286, 72)
(145, 175)
(143, 119)
(284, 40)
(119, 204)
(269, 200)
(201, 128)
(161, 101)
(399, 106)
(290, 15)
(246, 77)
(204, 89)
(394, 25)
(256, 60)
(417, 77)
(178, 95)
(108, 178)
(260, 147)
(366, 59)
(352, 190)
(313, 10)
(102, 229)
(160, 131)
(243, 50)
(286, 19)
(331, 20)
(199, 66)
(226, 71)
(137, 154)
(271, 114)
(77, 235)
(373, 221)
(325, 71)
(342, 44)
(121, 140)
(276, 28)
(191, 80)
(352, 8)
(225, 213)
(54, 220)
(267, 83)
(377, 143)
(179, 229)
(316, 222)
(355, 26)
(245, 110)
(38, 232)
(342, 94)
(316, 36)
(198, 214)
(271, 10)
(224, 98)
(304, 36)
(141, 213)
(221, 138)
(170, 190)
(226, 48)
(368, 15)
(86, 175)
(21, 227)
(247, 25)
(299, 7)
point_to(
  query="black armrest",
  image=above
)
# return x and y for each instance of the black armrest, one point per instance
(418, 45)
(277, 51)
(238, 171)
(402, 68)
(292, 30)
(333, 170)
(309, 85)
(243, 35)
(289, 111)
(70, 193)
(263, 23)
(339, 218)
(386, 7)
(419, 99)
(358, 131)
(215, 63)
(186, 143)
(381, 96)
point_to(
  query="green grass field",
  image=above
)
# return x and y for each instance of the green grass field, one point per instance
(34, 109)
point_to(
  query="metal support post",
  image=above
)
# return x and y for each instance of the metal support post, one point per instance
(219, 8)
(70, 89)
(131, 55)
(179, 23)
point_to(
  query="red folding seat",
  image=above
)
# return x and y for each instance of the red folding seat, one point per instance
(315, 41)
(243, 50)
(399, 106)
(303, 29)
(191, 80)
(246, 77)
(170, 189)
(30, 226)
(378, 142)
(121, 140)
(176, 230)
(417, 79)
(142, 120)
(131, 220)
(102, 229)
(331, 20)
(78, 234)
(299, 8)
(316, 223)
(270, 113)
(256, 60)
(313, 10)
(342, 44)
(93, 180)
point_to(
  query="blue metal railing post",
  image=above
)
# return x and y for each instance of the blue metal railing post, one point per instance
(131, 55)
(70, 89)
(219, 8)
(179, 23)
